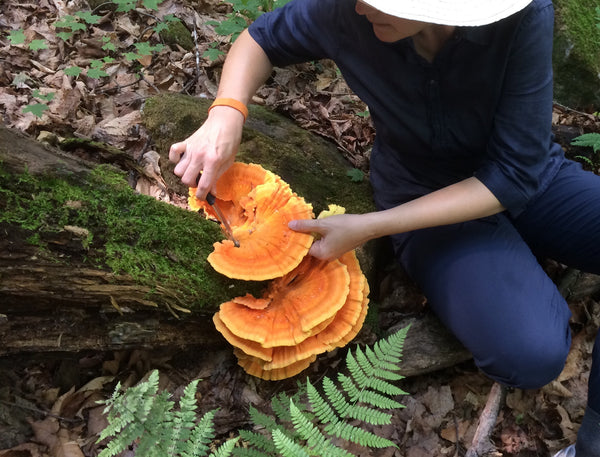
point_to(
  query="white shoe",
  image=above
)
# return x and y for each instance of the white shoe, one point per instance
(566, 452)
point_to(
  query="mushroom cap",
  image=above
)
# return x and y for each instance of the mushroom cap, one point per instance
(299, 302)
(258, 205)
(359, 323)
(250, 348)
(281, 361)
(256, 367)
(347, 320)
(336, 331)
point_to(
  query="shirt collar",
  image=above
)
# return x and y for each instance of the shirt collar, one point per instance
(479, 35)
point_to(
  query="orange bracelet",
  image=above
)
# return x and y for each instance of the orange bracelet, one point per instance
(232, 103)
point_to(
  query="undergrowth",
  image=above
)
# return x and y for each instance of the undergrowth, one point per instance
(315, 421)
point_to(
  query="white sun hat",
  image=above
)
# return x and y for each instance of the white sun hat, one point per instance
(450, 12)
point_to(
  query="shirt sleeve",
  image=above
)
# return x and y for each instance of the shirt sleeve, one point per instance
(521, 145)
(300, 31)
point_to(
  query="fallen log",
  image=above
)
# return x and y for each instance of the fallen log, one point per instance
(66, 285)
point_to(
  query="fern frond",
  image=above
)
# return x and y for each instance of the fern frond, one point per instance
(262, 419)
(318, 443)
(390, 348)
(369, 415)
(257, 442)
(320, 407)
(364, 395)
(335, 397)
(375, 367)
(251, 452)
(188, 404)
(280, 404)
(226, 449)
(113, 448)
(200, 437)
(384, 361)
(146, 417)
(358, 435)
(588, 140)
(367, 396)
(286, 446)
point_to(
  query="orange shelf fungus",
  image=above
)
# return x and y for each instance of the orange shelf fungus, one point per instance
(309, 307)
(315, 308)
(258, 206)
(299, 301)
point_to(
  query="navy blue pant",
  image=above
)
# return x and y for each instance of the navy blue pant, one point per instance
(483, 279)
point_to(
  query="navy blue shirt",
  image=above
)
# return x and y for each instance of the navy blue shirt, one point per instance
(482, 108)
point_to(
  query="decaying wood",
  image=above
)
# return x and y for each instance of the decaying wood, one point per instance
(482, 445)
(47, 305)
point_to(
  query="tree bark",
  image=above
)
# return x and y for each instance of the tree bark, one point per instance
(48, 304)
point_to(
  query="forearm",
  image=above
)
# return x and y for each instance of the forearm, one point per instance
(211, 149)
(246, 68)
(460, 202)
(466, 200)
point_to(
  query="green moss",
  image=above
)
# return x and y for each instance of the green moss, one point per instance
(577, 18)
(155, 243)
(577, 54)
(313, 167)
(177, 34)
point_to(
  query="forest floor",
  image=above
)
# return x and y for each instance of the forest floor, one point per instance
(48, 401)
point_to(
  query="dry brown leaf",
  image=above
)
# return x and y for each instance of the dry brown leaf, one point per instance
(514, 439)
(450, 432)
(24, 450)
(66, 446)
(115, 131)
(569, 430)
(439, 402)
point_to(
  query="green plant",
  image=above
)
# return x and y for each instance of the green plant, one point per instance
(355, 175)
(38, 108)
(142, 415)
(301, 427)
(588, 140)
(312, 427)
(243, 13)
(74, 27)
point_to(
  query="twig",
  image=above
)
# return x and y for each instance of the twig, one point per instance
(197, 50)
(564, 107)
(41, 411)
(481, 445)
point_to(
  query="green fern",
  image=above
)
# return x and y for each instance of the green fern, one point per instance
(143, 415)
(591, 140)
(310, 428)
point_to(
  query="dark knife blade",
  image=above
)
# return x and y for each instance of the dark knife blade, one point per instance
(212, 201)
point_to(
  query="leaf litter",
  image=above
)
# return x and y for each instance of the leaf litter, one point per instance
(49, 402)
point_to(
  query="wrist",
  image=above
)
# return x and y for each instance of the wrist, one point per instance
(231, 103)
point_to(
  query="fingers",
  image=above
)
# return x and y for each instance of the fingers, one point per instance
(321, 248)
(318, 250)
(206, 182)
(304, 225)
(176, 151)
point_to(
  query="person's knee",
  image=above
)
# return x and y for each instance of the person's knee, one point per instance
(529, 365)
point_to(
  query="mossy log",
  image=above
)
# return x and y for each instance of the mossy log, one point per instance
(86, 263)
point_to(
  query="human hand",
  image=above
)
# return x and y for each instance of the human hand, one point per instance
(209, 151)
(338, 234)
